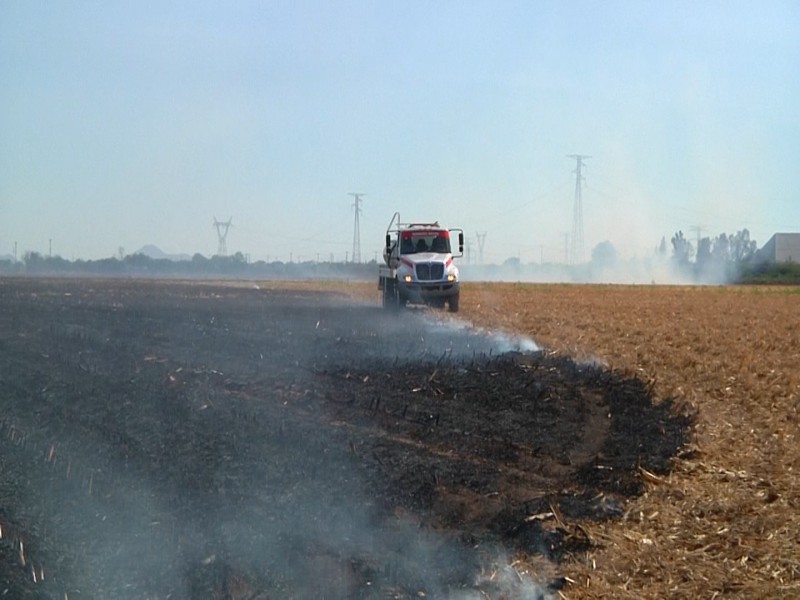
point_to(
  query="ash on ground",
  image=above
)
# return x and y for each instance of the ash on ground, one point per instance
(164, 440)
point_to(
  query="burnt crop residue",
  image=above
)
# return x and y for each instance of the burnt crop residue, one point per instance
(199, 441)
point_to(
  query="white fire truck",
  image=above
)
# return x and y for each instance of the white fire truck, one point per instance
(419, 265)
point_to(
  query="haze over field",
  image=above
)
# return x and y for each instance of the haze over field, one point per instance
(132, 123)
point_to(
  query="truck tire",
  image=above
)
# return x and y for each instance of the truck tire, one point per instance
(452, 303)
(388, 294)
(391, 295)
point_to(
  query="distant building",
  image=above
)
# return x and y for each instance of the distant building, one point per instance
(781, 248)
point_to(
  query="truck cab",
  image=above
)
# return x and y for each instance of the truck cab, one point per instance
(419, 265)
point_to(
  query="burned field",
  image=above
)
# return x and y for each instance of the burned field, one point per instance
(170, 440)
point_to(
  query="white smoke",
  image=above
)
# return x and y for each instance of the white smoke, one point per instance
(491, 340)
(502, 579)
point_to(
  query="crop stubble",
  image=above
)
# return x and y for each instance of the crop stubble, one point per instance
(726, 521)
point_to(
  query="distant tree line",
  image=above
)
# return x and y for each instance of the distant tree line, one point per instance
(727, 258)
(714, 259)
(140, 265)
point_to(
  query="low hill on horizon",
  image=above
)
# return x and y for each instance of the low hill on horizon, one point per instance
(153, 251)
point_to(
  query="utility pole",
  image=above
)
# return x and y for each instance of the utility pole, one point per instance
(222, 234)
(357, 227)
(481, 240)
(576, 256)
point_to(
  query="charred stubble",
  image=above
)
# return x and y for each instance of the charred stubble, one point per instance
(220, 441)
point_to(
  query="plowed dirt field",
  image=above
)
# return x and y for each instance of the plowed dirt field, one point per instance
(726, 522)
(241, 440)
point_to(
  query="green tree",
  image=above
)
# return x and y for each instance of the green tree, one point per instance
(703, 252)
(742, 248)
(604, 254)
(682, 249)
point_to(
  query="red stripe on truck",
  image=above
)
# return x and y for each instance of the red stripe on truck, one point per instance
(407, 235)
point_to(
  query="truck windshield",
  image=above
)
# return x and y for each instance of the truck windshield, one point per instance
(413, 242)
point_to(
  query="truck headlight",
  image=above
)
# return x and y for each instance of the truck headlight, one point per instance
(451, 277)
(408, 278)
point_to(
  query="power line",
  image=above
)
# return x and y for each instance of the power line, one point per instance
(554, 191)
(576, 254)
(357, 226)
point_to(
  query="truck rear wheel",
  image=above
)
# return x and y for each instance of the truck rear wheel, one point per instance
(452, 303)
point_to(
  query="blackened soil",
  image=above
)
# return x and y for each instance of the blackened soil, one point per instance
(166, 440)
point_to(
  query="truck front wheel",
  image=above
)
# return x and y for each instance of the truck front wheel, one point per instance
(452, 303)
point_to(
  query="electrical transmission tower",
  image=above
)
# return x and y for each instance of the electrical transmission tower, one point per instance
(222, 233)
(698, 229)
(357, 227)
(576, 254)
(481, 239)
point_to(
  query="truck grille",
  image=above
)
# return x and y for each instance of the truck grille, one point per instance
(430, 271)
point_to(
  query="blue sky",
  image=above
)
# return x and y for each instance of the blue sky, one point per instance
(129, 123)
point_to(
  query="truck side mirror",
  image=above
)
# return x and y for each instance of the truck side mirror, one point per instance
(388, 241)
(461, 242)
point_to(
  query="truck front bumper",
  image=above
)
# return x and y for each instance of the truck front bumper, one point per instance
(424, 292)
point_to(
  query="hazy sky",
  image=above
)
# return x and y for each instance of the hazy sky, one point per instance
(129, 123)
